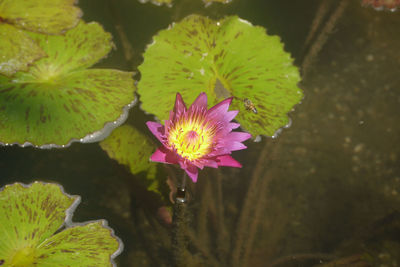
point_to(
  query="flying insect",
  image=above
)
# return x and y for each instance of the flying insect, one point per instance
(249, 105)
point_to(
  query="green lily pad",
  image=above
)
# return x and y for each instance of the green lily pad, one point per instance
(45, 16)
(133, 149)
(223, 58)
(17, 50)
(58, 100)
(29, 218)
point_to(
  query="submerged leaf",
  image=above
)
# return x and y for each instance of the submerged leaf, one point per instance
(223, 58)
(58, 100)
(131, 148)
(45, 16)
(29, 217)
(17, 50)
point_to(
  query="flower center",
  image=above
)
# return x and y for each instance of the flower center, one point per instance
(191, 139)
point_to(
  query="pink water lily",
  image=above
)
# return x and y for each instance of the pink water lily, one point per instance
(198, 137)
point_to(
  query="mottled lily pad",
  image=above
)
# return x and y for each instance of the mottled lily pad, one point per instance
(58, 100)
(31, 215)
(133, 149)
(45, 16)
(17, 49)
(223, 58)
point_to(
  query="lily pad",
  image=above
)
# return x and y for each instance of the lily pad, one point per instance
(17, 50)
(58, 100)
(133, 149)
(31, 219)
(45, 16)
(227, 58)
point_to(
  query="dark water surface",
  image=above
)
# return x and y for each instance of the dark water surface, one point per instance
(325, 192)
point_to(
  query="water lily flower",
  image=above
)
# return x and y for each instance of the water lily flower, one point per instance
(198, 137)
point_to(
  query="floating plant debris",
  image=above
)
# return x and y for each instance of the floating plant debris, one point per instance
(58, 100)
(209, 2)
(196, 137)
(17, 49)
(158, 2)
(391, 5)
(36, 229)
(199, 54)
(169, 2)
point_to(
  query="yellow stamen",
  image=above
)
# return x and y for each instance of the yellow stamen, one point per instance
(192, 139)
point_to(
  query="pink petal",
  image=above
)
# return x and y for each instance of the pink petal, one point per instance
(168, 125)
(233, 125)
(157, 129)
(230, 142)
(201, 163)
(209, 163)
(227, 160)
(193, 172)
(200, 102)
(220, 109)
(164, 155)
(238, 136)
(159, 156)
(182, 164)
(179, 107)
(236, 146)
(198, 164)
(171, 118)
(230, 115)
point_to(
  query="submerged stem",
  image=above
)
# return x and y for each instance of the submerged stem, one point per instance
(127, 47)
(223, 237)
(179, 235)
(247, 211)
(183, 185)
(180, 226)
(323, 36)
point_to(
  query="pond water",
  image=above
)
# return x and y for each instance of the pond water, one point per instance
(326, 191)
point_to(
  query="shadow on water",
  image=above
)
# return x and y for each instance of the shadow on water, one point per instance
(326, 192)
